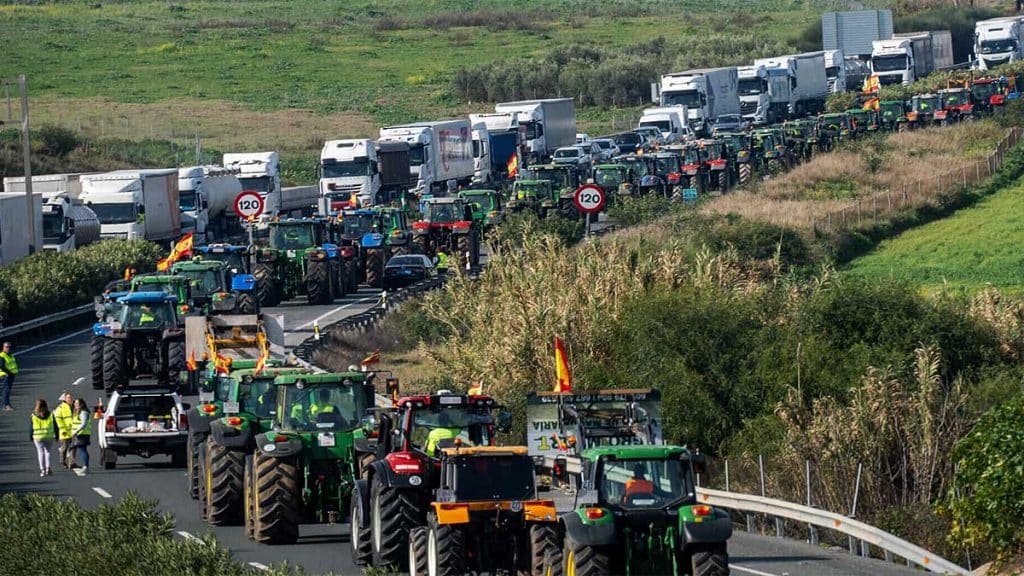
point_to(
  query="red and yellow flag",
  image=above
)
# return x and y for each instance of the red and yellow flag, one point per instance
(871, 104)
(477, 389)
(222, 364)
(371, 359)
(872, 84)
(261, 362)
(512, 166)
(191, 362)
(563, 379)
(181, 249)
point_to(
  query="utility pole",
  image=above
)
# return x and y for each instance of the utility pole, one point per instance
(26, 150)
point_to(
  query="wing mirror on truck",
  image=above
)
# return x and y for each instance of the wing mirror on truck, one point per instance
(504, 422)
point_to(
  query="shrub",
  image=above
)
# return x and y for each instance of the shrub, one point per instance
(57, 140)
(841, 102)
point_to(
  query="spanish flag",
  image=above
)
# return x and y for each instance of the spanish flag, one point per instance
(563, 379)
(222, 364)
(871, 104)
(512, 166)
(191, 362)
(476, 389)
(872, 84)
(182, 249)
(371, 359)
(261, 362)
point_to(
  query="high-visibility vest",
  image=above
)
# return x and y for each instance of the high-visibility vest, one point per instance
(42, 428)
(86, 430)
(314, 409)
(10, 363)
(146, 318)
(65, 420)
(438, 434)
(442, 261)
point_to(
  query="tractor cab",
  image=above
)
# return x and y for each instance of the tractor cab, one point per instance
(172, 285)
(236, 258)
(987, 93)
(956, 102)
(212, 284)
(862, 121)
(892, 115)
(562, 177)
(296, 234)
(446, 211)
(148, 311)
(357, 223)
(146, 340)
(530, 194)
(926, 109)
(321, 402)
(836, 125)
(615, 178)
(486, 205)
(432, 423)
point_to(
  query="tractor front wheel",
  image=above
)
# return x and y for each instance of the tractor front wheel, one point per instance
(266, 290)
(170, 375)
(712, 561)
(543, 541)
(248, 499)
(247, 304)
(360, 537)
(96, 362)
(418, 558)
(375, 268)
(393, 514)
(446, 549)
(318, 282)
(114, 369)
(224, 471)
(583, 560)
(278, 500)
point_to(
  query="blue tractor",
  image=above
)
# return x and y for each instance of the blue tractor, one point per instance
(368, 237)
(146, 339)
(108, 309)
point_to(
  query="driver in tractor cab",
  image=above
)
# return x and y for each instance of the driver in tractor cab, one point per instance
(445, 431)
(146, 317)
(639, 484)
(320, 406)
(444, 213)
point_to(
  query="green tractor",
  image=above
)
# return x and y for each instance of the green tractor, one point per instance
(892, 116)
(801, 138)
(146, 340)
(738, 144)
(565, 179)
(862, 121)
(213, 288)
(833, 128)
(616, 179)
(299, 258)
(637, 513)
(176, 286)
(769, 145)
(487, 206)
(533, 195)
(303, 467)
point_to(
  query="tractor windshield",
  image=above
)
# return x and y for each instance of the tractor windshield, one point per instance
(609, 178)
(890, 110)
(493, 478)
(444, 212)
(203, 282)
(558, 178)
(525, 190)
(234, 259)
(293, 237)
(258, 397)
(666, 165)
(323, 407)
(637, 484)
(984, 90)
(155, 316)
(955, 99)
(483, 199)
(432, 424)
(927, 104)
(222, 386)
(353, 225)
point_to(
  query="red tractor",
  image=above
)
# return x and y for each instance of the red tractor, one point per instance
(397, 484)
(448, 226)
(956, 102)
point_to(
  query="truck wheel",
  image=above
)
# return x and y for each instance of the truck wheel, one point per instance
(585, 560)
(318, 283)
(713, 561)
(248, 502)
(418, 558)
(266, 291)
(375, 268)
(96, 362)
(360, 537)
(278, 500)
(392, 514)
(114, 375)
(193, 453)
(543, 539)
(175, 365)
(224, 470)
(247, 304)
(446, 549)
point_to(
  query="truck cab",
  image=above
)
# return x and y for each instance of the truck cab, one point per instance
(259, 171)
(670, 122)
(835, 71)
(998, 41)
(68, 224)
(349, 175)
(133, 204)
(892, 60)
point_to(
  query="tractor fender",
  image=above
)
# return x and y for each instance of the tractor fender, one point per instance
(198, 424)
(709, 531)
(389, 479)
(231, 436)
(372, 240)
(267, 447)
(243, 283)
(588, 532)
(362, 493)
(331, 249)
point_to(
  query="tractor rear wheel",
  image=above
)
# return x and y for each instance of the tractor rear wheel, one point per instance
(418, 560)
(248, 501)
(446, 549)
(96, 362)
(423, 244)
(583, 560)
(201, 472)
(553, 563)
(318, 282)
(360, 537)
(375, 268)
(192, 456)
(711, 561)
(247, 304)
(393, 513)
(114, 369)
(175, 365)
(543, 539)
(224, 471)
(464, 246)
(568, 210)
(266, 290)
(350, 268)
(339, 280)
(277, 499)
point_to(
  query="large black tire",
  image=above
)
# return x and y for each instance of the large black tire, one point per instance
(248, 501)
(543, 540)
(339, 280)
(193, 453)
(393, 513)
(474, 255)
(553, 563)
(375, 268)
(463, 246)
(585, 560)
(712, 561)
(278, 500)
(568, 210)
(247, 304)
(96, 362)
(360, 537)
(114, 369)
(418, 559)
(446, 549)
(266, 289)
(170, 374)
(352, 275)
(422, 243)
(224, 471)
(318, 282)
(693, 182)
(200, 465)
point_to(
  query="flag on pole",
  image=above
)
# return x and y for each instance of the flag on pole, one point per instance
(181, 249)
(563, 379)
(871, 104)
(222, 364)
(477, 389)
(513, 165)
(191, 362)
(261, 362)
(872, 84)
(371, 359)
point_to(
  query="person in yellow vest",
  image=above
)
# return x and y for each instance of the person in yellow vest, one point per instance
(64, 415)
(445, 431)
(320, 406)
(442, 262)
(44, 429)
(8, 370)
(81, 435)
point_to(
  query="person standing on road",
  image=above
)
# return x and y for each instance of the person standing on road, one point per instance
(82, 434)
(442, 262)
(44, 429)
(8, 370)
(64, 416)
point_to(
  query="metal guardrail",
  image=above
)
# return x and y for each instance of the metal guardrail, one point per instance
(46, 320)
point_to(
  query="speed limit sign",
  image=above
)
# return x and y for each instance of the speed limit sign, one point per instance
(249, 205)
(589, 198)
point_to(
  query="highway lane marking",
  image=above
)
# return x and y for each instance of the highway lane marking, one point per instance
(101, 492)
(259, 566)
(79, 381)
(336, 310)
(186, 535)
(751, 571)
(61, 339)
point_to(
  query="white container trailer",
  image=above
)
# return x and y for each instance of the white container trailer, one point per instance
(808, 80)
(14, 236)
(68, 224)
(133, 204)
(49, 185)
(707, 94)
(439, 152)
(548, 124)
(854, 31)
(206, 196)
(998, 41)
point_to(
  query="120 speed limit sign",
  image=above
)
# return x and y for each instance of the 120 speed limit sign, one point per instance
(249, 205)
(589, 198)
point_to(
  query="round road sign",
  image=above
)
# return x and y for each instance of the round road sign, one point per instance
(249, 205)
(589, 198)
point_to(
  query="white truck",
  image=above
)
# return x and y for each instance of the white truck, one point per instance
(49, 185)
(143, 424)
(68, 224)
(766, 94)
(998, 41)
(206, 196)
(439, 152)
(549, 124)
(707, 94)
(835, 71)
(481, 153)
(14, 236)
(349, 174)
(261, 172)
(808, 82)
(135, 204)
(505, 137)
(671, 121)
(905, 58)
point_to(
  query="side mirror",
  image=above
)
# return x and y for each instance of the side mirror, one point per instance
(699, 462)
(504, 423)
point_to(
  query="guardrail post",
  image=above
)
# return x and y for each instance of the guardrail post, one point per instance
(853, 508)
(888, 556)
(750, 523)
(760, 465)
(812, 531)
(727, 476)
(780, 531)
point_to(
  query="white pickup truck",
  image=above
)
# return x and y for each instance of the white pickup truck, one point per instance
(143, 423)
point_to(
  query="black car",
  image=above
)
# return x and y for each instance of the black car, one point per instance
(629, 142)
(407, 269)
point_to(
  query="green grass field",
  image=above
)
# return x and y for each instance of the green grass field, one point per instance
(976, 246)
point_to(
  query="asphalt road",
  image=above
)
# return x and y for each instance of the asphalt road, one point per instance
(63, 363)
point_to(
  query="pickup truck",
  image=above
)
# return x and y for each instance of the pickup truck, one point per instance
(144, 423)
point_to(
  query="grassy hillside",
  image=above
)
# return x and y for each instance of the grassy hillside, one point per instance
(974, 247)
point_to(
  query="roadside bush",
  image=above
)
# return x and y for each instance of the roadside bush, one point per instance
(57, 140)
(841, 102)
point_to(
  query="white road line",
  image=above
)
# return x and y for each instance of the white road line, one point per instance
(101, 492)
(186, 535)
(61, 339)
(336, 310)
(259, 566)
(79, 381)
(751, 571)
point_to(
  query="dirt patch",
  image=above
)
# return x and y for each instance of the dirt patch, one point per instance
(222, 125)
